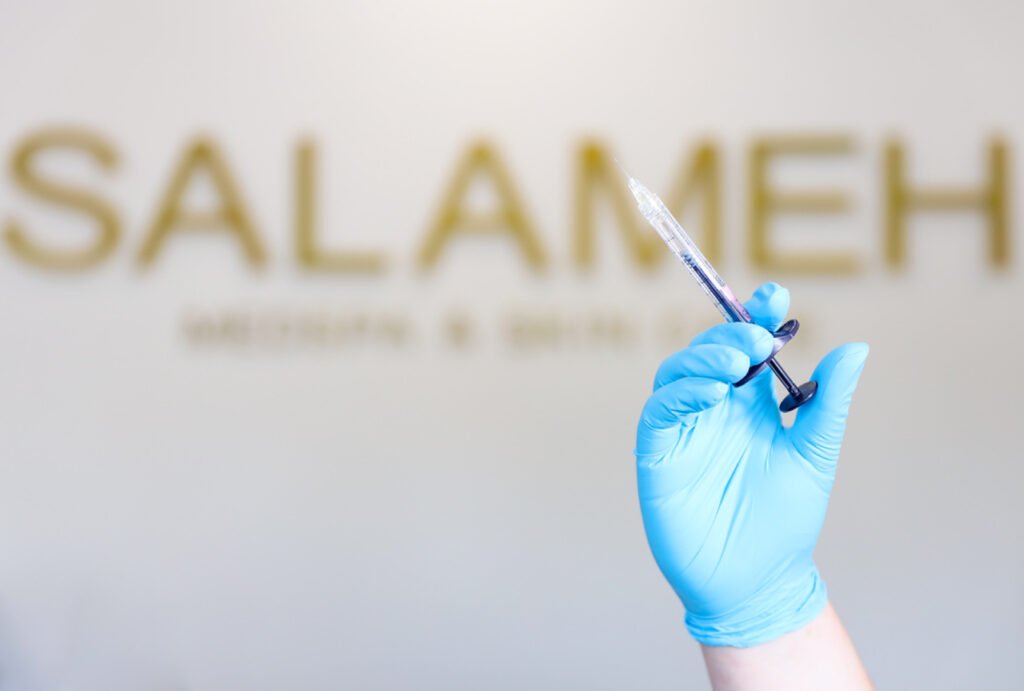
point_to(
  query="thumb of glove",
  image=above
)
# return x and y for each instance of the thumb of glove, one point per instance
(818, 431)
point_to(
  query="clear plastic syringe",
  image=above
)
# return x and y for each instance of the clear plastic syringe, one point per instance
(662, 220)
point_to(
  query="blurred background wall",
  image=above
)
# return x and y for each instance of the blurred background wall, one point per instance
(324, 331)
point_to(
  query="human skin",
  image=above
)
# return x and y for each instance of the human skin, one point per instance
(818, 657)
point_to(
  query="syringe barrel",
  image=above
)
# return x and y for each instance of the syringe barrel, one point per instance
(658, 215)
(730, 307)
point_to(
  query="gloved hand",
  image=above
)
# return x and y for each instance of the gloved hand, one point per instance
(732, 500)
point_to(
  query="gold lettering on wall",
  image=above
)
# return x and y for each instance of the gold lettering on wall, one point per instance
(231, 216)
(767, 201)
(509, 217)
(990, 199)
(26, 175)
(307, 250)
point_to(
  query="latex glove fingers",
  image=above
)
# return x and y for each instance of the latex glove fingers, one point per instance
(769, 305)
(726, 363)
(672, 407)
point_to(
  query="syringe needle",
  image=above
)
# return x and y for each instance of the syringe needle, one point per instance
(623, 170)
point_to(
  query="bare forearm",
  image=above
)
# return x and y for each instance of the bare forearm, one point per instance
(820, 656)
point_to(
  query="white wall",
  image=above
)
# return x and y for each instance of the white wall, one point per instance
(375, 517)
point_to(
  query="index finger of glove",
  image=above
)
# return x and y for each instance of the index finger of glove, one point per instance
(674, 406)
(711, 360)
(752, 340)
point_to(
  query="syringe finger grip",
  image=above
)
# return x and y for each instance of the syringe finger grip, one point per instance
(783, 335)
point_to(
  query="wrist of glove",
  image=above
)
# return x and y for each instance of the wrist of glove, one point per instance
(775, 609)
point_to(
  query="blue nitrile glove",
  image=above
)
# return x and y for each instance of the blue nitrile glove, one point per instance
(732, 500)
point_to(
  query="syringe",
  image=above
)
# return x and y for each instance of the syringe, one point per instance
(661, 219)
